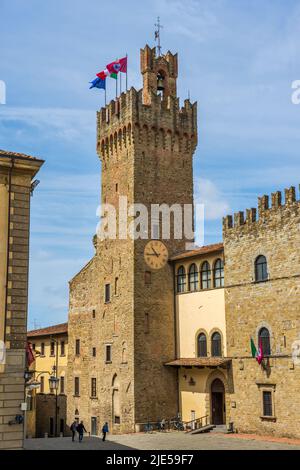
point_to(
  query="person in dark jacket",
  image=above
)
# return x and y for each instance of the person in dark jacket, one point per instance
(73, 429)
(104, 431)
(80, 429)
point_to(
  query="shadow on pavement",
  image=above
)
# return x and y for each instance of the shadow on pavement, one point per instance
(65, 443)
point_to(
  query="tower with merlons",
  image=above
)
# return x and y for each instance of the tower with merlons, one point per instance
(145, 142)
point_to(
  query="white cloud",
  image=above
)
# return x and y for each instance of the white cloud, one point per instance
(207, 193)
(61, 123)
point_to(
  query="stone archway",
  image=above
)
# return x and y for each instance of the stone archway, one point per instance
(213, 386)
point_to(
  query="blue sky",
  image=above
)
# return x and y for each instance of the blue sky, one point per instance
(237, 58)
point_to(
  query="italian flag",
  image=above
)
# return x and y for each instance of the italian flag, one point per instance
(105, 73)
(258, 354)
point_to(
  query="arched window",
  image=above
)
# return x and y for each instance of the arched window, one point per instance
(216, 346)
(193, 278)
(264, 340)
(219, 273)
(181, 279)
(205, 276)
(202, 345)
(261, 268)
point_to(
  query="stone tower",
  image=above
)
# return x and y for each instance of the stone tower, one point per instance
(146, 143)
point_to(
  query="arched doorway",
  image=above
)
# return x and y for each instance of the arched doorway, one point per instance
(217, 395)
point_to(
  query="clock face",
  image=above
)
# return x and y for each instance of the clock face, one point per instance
(156, 254)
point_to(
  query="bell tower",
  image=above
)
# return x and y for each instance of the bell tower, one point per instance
(145, 141)
(159, 75)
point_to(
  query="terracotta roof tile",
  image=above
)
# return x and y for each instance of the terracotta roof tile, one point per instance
(50, 330)
(7, 153)
(203, 250)
(199, 361)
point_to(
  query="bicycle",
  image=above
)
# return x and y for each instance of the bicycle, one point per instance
(148, 428)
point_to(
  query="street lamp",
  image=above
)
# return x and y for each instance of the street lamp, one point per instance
(53, 383)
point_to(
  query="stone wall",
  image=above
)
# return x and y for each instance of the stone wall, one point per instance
(273, 303)
(45, 409)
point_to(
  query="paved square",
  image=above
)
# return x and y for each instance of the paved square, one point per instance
(161, 441)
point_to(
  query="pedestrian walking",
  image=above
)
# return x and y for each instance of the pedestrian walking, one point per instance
(104, 431)
(81, 429)
(73, 429)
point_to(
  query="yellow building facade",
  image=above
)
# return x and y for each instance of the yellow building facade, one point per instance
(201, 335)
(50, 347)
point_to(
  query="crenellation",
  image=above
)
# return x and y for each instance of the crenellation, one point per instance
(239, 219)
(251, 215)
(290, 195)
(227, 222)
(276, 199)
(263, 205)
(265, 212)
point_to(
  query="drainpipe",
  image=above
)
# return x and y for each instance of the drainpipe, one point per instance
(8, 237)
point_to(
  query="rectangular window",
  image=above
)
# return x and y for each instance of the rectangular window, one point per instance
(147, 278)
(94, 313)
(42, 349)
(77, 347)
(107, 293)
(42, 386)
(94, 352)
(116, 285)
(267, 404)
(33, 347)
(62, 348)
(52, 348)
(108, 353)
(62, 385)
(76, 387)
(94, 387)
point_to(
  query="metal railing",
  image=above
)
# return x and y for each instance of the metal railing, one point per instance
(197, 423)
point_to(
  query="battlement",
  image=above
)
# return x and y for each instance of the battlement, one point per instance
(150, 115)
(265, 211)
(119, 122)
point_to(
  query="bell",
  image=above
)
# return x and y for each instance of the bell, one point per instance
(160, 84)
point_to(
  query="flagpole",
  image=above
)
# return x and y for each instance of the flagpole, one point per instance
(105, 92)
(120, 84)
(117, 86)
(126, 71)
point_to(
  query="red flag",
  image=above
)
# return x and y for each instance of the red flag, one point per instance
(123, 63)
(117, 66)
(29, 354)
(102, 75)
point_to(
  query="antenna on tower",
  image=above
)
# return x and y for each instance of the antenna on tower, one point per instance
(157, 35)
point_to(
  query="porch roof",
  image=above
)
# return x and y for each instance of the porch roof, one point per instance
(199, 362)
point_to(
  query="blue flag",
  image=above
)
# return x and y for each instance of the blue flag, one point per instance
(98, 83)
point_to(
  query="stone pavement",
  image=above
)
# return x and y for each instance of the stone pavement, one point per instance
(166, 441)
